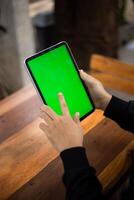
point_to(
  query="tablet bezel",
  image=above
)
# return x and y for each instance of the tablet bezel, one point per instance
(76, 67)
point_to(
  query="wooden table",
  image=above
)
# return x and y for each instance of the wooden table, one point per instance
(29, 166)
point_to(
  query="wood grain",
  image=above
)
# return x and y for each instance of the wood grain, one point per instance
(18, 110)
(28, 152)
(117, 167)
(113, 66)
(18, 117)
(103, 143)
(114, 82)
(28, 162)
(10, 102)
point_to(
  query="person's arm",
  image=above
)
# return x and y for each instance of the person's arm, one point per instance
(66, 135)
(114, 108)
(79, 177)
(122, 112)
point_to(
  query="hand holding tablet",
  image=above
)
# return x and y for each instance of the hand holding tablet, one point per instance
(54, 70)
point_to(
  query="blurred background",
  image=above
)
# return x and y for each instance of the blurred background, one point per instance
(103, 27)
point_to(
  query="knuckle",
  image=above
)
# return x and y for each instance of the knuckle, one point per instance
(64, 104)
(58, 120)
(46, 109)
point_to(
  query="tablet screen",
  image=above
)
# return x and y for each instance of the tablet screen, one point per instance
(53, 71)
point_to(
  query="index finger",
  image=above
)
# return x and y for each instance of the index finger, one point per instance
(63, 104)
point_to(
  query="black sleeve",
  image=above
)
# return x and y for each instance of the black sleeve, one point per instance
(79, 177)
(121, 112)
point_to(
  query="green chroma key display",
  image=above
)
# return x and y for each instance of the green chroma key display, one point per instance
(53, 71)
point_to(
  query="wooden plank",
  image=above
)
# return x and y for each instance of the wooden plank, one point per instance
(26, 149)
(17, 110)
(103, 143)
(12, 101)
(28, 152)
(15, 119)
(113, 66)
(117, 167)
(114, 82)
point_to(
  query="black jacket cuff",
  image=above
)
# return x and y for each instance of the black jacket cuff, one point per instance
(116, 109)
(74, 158)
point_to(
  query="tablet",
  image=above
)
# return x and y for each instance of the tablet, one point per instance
(54, 70)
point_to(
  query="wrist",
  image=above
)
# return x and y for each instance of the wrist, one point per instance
(70, 147)
(74, 158)
(105, 101)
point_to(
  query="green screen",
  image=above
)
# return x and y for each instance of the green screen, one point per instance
(54, 72)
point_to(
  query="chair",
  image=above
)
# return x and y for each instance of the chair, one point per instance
(112, 73)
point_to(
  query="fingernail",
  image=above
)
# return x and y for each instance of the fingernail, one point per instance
(81, 71)
(78, 114)
(60, 93)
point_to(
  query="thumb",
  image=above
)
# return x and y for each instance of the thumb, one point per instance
(88, 78)
(76, 118)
